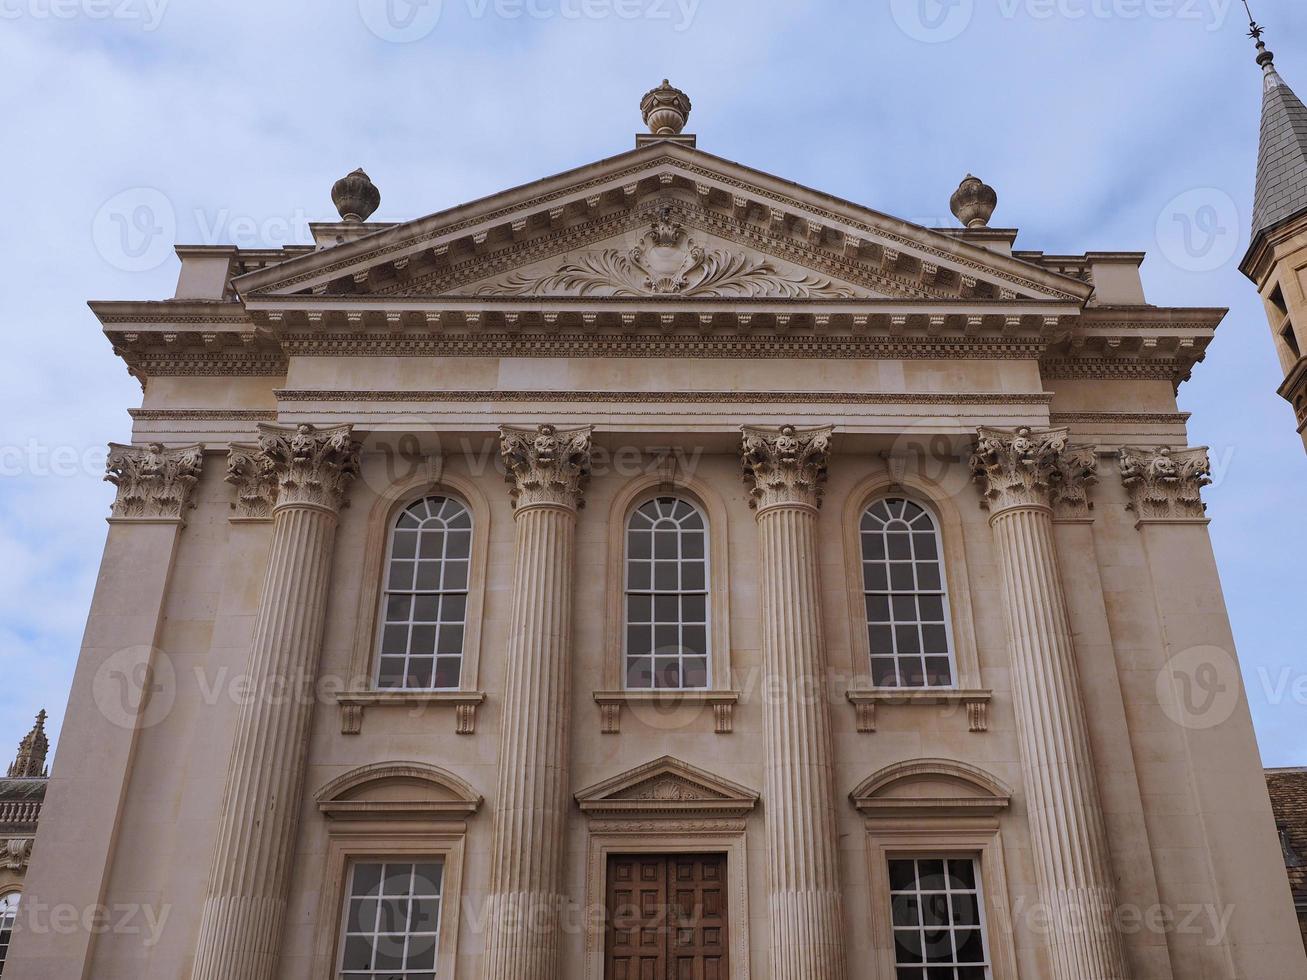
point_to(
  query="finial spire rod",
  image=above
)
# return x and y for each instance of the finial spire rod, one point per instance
(1265, 57)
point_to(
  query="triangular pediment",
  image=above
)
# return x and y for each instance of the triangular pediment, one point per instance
(667, 786)
(668, 222)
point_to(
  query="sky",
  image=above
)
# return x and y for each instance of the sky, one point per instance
(1103, 124)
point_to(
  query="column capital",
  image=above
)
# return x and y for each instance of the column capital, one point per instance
(313, 467)
(785, 465)
(154, 483)
(1028, 467)
(546, 467)
(254, 475)
(1166, 484)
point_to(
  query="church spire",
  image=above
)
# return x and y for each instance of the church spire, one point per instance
(32, 751)
(1282, 160)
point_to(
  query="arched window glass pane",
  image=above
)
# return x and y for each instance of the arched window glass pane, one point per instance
(667, 596)
(8, 912)
(424, 602)
(907, 603)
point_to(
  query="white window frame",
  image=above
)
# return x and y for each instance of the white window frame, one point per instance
(709, 652)
(412, 861)
(385, 593)
(977, 871)
(945, 594)
(9, 902)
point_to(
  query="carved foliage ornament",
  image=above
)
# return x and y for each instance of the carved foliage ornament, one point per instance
(152, 481)
(1028, 467)
(254, 475)
(667, 262)
(545, 466)
(786, 465)
(16, 854)
(313, 467)
(1166, 484)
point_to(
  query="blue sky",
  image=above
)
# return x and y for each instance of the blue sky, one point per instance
(1103, 124)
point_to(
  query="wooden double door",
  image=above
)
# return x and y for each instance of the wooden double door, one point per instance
(667, 918)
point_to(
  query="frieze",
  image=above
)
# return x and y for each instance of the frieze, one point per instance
(199, 415)
(1119, 418)
(674, 397)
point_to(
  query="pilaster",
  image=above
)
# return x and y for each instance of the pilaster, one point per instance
(110, 703)
(786, 471)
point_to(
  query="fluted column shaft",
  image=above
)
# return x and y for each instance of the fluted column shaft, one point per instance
(531, 803)
(1025, 473)
(787, 468)
(241, 927)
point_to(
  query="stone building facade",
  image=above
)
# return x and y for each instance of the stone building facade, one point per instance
(1289, 803)
(22, 793)
(657, 570)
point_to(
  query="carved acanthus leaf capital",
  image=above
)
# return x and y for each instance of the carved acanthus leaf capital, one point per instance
(1033, 468)
(545, 466)
(1166, 484)
(314, 467)
(786, 465)
(153, 482)
(254, 475)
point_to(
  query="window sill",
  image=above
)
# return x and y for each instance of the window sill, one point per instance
(611, 704)
(975, 701)
(464, 703)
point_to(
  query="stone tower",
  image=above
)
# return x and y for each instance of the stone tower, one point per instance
(1277, 255)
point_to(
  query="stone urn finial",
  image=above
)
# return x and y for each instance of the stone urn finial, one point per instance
(666, 110)
(973, 203)
(356, 197)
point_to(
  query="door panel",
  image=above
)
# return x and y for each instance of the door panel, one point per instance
(667, 918)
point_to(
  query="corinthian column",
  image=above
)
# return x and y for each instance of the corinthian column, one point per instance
(787, 469)
(241, 928)
(1023, 473)
(547, 472)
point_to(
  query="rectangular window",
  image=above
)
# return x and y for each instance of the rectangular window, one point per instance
(392, 921)
(938, 915)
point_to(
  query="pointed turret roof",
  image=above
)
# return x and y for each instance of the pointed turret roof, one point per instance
(1282, 160)
(32, 751)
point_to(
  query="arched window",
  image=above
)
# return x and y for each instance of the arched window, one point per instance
(8, 912)
(424, 603)
(906, 596)
(667, 596)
